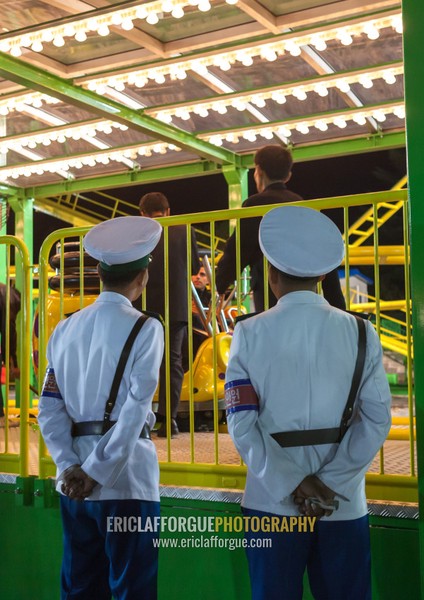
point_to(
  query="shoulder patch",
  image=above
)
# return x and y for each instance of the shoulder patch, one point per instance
(50, 387)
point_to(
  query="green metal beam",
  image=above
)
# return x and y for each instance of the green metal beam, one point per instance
(413, 16)
(237, 185)
(31, 77)
(9, 190)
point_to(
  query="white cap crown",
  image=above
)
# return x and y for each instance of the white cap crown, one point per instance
(300, 241)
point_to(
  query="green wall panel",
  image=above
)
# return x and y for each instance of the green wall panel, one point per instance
(31, 549)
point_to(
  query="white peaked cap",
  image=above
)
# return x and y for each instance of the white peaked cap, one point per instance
(123, 241)
(301, 242)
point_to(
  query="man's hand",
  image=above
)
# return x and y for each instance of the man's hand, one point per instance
(312, 487)
(77, 485)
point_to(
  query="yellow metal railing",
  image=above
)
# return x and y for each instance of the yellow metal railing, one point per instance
(14, 449)
(363, 228)
(209, 459)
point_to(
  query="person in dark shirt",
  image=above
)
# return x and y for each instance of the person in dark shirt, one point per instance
(273, 166)
(153, 205)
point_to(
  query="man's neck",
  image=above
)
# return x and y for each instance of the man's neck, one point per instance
(272, 181)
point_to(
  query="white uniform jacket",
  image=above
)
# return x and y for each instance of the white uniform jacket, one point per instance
(299, 357)
(82, 354)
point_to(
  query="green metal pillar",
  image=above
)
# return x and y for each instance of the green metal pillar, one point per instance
(24, 225)
(413, 18)
(3, 222)
(237, 185)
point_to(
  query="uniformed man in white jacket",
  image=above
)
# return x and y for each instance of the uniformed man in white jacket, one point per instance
(98, 434)
(289, 376)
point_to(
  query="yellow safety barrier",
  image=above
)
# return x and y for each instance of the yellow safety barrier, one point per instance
(14, 442)
(208, 458)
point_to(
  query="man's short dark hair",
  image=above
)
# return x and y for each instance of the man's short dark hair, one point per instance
(276, 161)
(118, 278)
(154, 202)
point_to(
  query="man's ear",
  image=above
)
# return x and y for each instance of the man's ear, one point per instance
(288, 177)
(167, 212)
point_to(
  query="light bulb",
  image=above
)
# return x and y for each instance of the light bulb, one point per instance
(321, 90)
(360, 119)
(343, 86)
(340, 122)
(152, 18)
(80, 36)
(302, 128)
(379, 116)
(103, 30)
(319, 43)
(58, 41)
(178, 12)
(293, 48)
(167, 6)
(389, 77)
(344, 37)
(16, 51)
(268, 54)
(366, 81)
(321, 125)
(371, 31)
(284, 131)
(399, 112)
(37, 46)
(204, 5)
(300, 94)
(127, 24)
(278, 97)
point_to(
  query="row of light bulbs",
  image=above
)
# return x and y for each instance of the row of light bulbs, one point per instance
(278, 95)
(322, 123)
(92, 160)
(224, 60)
(239, 102)
(21, 103)
(359, 116)
(151, 12)
(60, 135)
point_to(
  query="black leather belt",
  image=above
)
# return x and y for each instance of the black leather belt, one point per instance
(97, 428)
(309, 437)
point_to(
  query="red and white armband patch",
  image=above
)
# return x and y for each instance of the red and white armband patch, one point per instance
(50, 387)
(240, 395)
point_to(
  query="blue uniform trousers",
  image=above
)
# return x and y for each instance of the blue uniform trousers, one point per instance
(98, 563)
(336, 555)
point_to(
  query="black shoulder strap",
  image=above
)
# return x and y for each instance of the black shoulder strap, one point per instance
(357, 375)
(120, 370)
(314, 437)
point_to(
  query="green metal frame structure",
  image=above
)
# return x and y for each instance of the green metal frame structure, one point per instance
(413, 14)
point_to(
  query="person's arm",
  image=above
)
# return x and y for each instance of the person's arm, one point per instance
(195, 259)
(226, 272)
(332, 290)
(368, 430)
(114, 449)
(55, 423)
